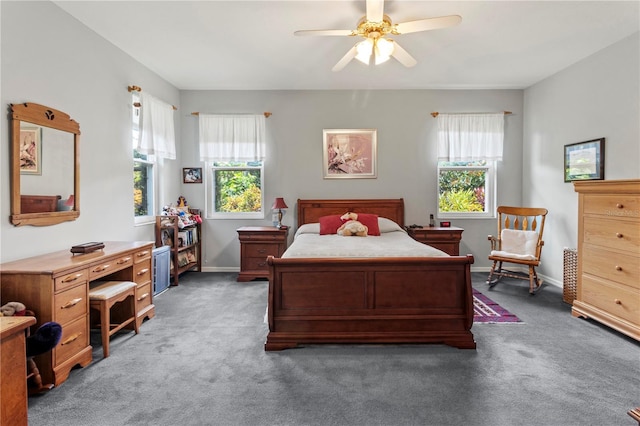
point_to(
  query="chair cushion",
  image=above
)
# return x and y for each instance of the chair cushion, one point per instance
(104, 290)
(517, 244)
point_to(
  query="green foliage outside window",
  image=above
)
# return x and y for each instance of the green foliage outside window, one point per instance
(140, 190)
(238, 190)
(461, 190)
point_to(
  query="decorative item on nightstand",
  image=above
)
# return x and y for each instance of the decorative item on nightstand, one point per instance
(279, 205)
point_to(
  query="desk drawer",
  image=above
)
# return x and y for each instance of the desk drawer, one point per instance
(70, 280)
(143, 296)
(612, 298)
(142, 255)
(74, 339)
(142, 272)
(107, 267)
(70, 305)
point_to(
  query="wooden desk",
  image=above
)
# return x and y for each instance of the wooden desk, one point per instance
(55, 286)
(13, 370)
(445, 239)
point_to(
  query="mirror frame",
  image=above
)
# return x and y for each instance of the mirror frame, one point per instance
(47, 117)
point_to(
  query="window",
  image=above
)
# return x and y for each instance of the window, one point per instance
(235, 190)
(468, 147)
(143, 176)
(466, 189)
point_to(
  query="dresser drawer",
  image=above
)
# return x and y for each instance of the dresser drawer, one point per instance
(74, 339)
(142, 255)
(142, 272)
(612, 298)
(617, 267)
(255, 264)
(261, 250)
(70, 305)
(621, 205)
(71, 279)
(98, 270)
(616, 234)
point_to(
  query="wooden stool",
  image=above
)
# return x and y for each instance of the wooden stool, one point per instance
(102, 296)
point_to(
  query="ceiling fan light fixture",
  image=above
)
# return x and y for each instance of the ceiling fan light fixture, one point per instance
(364, 49)
(383, 50)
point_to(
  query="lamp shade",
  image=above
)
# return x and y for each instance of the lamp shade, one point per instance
(279, 204)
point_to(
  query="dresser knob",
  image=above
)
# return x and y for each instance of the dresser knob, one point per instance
(618, 268)
(617, 301)
(619, 206)
(619, 235)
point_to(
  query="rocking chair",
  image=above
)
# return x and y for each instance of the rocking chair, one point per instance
(519, 242)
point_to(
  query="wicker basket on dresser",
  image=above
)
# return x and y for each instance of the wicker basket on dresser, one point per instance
(608, 287)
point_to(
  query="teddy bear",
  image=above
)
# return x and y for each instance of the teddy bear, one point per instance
(351, 226)
(13, 309)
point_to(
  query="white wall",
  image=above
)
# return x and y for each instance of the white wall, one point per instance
(50, 58)
(597, 97)
(406, 152)
(60, 63)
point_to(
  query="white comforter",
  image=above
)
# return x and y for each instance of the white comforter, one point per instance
(392, 242)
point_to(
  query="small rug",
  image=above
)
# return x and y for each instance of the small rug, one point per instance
(487, 311)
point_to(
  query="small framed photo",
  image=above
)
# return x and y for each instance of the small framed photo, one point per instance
(584, 160)
(192, 175)
(349, 153)
(30, 151)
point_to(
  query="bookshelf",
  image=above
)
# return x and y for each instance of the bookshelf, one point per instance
(184, 243)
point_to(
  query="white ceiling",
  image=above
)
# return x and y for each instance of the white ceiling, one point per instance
(250, 44)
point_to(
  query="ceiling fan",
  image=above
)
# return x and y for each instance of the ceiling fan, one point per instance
(374, 28)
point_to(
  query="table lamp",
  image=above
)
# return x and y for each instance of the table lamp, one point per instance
(278, 205)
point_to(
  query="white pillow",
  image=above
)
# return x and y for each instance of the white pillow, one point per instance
(308, 228)
(387, 225)
(518, 244)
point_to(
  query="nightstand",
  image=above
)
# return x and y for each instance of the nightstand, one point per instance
(445, 239)
(256, 243)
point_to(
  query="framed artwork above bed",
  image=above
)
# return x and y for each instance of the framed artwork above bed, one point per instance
(349, 153)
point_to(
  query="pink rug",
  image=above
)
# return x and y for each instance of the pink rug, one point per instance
(487, 311)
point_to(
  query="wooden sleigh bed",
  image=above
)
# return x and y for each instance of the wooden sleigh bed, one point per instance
(368, 300)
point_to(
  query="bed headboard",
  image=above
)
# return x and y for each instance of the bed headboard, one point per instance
(309, 211)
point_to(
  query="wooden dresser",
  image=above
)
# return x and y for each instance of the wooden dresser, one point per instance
(256, 243)
(608, 286)
(13, 368)
(55, 286)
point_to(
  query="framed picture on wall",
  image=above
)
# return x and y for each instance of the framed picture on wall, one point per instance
(349, 153)
(584, 160)
(192, 175)
(30, 151)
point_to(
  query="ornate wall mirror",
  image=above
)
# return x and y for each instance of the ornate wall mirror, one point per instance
(45, 166)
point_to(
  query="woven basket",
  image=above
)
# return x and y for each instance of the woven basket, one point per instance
(569, 275)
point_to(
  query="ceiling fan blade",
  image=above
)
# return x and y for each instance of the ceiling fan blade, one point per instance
(428, 24)
(403, 56)
(323, 32)
(375, 10)
(345, 59)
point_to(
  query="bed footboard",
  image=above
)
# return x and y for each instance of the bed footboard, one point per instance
(372, 300)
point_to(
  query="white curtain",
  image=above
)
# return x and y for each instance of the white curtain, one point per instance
(232, 137)
(470, 137)
(157, 131)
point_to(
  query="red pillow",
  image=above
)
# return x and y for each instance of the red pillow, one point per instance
(330, 224)
(370, 221)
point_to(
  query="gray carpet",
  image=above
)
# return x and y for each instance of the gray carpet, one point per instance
(201, 361)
